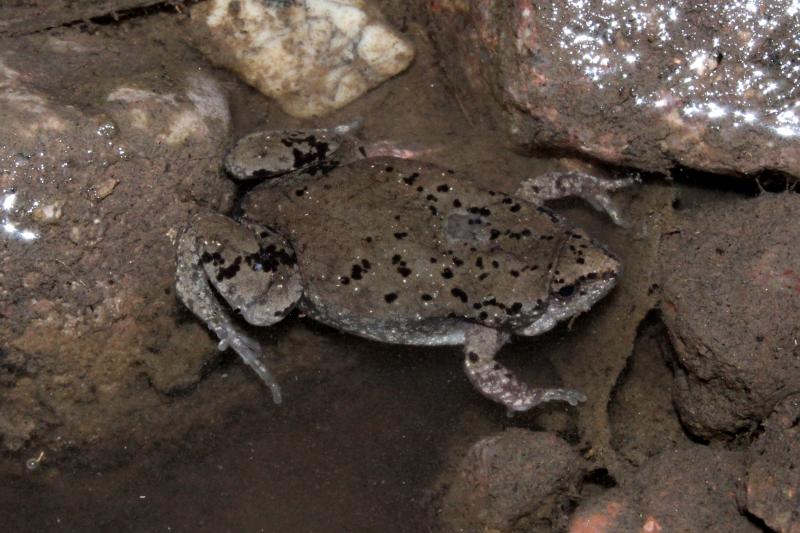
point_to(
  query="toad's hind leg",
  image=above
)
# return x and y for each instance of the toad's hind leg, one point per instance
(194, 291)
(496, 382)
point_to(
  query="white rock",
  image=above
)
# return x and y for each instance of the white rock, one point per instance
(311, 56)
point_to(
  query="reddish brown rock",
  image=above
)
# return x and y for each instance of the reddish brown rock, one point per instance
(715, 84)
(514, 481)
(693, 489)
(731, 300)
(773, 478)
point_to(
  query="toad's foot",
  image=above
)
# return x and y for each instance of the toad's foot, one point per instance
(496, 382)
(193, 289)
(391, 149)
(594, 190)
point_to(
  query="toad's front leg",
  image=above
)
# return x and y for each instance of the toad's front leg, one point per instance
(252, 268)
(595, 191)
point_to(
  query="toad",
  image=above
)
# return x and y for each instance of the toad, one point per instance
(393, 250)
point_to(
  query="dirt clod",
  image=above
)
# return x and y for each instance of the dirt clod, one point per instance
(773, 477)
(514, 481)
(731, 302)
(691, 489)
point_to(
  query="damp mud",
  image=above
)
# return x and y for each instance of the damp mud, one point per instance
(118, 412)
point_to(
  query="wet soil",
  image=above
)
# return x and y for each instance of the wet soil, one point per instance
(369, 436)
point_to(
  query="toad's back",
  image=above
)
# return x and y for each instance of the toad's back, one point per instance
(396, 240)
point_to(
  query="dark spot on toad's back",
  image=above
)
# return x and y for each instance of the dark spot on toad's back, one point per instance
(411, 179)
(396, 258)
(460, 294)
(404, 271)
(447, 273)
(443, 188)
(390, 297)
(483, 211)
(400, 235)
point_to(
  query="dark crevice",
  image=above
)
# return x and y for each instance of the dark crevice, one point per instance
(748, 186)
(600, 477)
(757, 522)
(115, 17)
(745, 185)
(651, 321)
(118, 17)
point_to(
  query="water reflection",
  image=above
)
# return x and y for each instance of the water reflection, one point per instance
(10, 228)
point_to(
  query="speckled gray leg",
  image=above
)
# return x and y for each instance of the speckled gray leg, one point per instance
(594, 190)
(496, 382)
(193, 289)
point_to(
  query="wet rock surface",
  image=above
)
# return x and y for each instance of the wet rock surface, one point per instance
(731, 303)
(773, 476)
(691, 489)
(711, 81)
(94, 181)
(517, 480)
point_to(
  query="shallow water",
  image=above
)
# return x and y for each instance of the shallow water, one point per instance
(358, 450)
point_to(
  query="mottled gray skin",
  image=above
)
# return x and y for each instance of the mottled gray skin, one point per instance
(392, 250)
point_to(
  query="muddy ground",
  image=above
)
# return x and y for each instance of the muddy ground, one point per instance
(370, 437)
